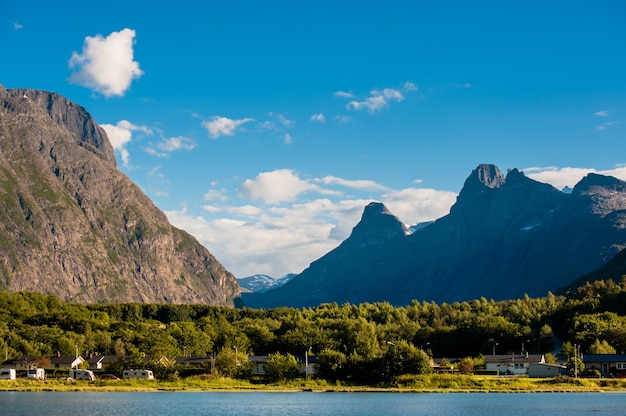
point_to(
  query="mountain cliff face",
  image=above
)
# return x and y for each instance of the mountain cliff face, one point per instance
(72, 225)
(503, 238)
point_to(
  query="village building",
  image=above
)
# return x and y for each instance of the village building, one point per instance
(512, 364)
(609, 365)
(544, 370)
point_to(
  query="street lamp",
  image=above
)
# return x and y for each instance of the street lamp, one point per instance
(422, 346)
(523, 345)
(494, 348)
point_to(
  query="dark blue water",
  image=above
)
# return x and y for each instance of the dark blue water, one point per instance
(303, 404)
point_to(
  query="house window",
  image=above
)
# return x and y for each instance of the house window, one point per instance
(621, 366)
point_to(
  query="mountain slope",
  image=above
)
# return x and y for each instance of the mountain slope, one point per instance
(614, 269)
(73, 225)
(503, 238)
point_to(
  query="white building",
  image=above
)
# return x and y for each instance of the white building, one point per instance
(511, 364)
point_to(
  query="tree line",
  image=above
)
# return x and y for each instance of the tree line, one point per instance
(368, 342)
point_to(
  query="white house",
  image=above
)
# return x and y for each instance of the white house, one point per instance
(65, 362)
(512, 364)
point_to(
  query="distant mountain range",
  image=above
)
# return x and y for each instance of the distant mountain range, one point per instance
(260, 283)
(72, 225)
(506, 236)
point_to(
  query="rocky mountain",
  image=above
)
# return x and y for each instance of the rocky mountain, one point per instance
(74, 226)
(262, 283)
(505, 236)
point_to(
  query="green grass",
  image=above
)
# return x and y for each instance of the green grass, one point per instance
(422, 383)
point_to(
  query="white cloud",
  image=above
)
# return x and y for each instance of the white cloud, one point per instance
(153, 152)
(342, 119)
(318, 117)
(245, 210)
(212, 208)
(413, 205)
(409, 86)
(106, 65)
(17, 26)
(275, 186)
(354, 184)
(606, 125)
(157, 180)
(268, 125)
(379, 99)
(176, 143)
(562, 177)
(466, 85)
(344, 94)
(288, 138)
(283, 120)
(277, 241)
(260, 246)
(121, 134)
(223, 126)
(216, 195)
(602, 113)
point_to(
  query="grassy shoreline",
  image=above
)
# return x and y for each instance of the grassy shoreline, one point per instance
(409, 384)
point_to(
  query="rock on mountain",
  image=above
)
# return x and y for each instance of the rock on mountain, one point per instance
(505, 236)
(74, 226)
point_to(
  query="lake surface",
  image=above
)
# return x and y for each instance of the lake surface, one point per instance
(306, 403)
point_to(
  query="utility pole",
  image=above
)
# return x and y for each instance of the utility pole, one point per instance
(575, 362)
(306, 362)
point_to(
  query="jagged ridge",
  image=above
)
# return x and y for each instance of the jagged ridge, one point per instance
(504, 237)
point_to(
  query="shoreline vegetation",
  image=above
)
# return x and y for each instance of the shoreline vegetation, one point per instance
(432, 383)
(363, 347)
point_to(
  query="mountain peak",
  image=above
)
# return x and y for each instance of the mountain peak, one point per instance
(378, 223)
(71, 117)
(482, 179)
(374, 209)
(488, 175)
(594, 180)
(605, 193)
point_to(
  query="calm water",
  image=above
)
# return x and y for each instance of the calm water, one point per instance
(319, 404)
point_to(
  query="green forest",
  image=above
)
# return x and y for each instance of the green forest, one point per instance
(364, 343)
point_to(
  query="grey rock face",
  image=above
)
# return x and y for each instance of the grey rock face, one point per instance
(74, 226)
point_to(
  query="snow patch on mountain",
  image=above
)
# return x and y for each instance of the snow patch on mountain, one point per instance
(260, 283)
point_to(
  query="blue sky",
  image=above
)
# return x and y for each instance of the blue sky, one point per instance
(264, 128)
